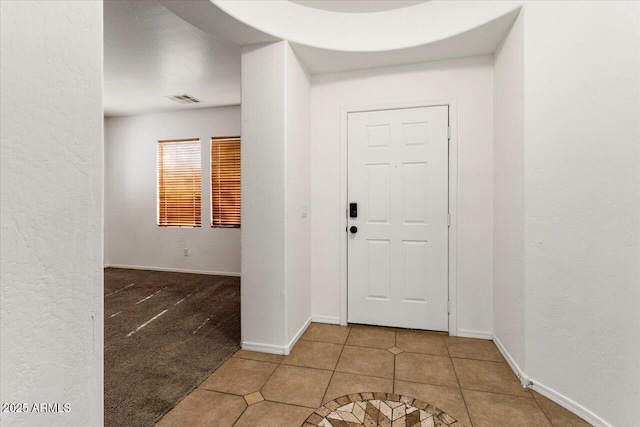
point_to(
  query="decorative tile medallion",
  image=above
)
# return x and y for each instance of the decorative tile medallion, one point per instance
(379, 410)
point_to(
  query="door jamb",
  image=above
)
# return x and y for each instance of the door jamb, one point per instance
(451, 103)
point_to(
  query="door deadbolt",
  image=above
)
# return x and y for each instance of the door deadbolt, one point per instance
(353, 210)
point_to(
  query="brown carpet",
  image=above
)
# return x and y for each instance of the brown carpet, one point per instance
(164, 334)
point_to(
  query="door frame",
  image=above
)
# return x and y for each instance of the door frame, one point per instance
(451, 103)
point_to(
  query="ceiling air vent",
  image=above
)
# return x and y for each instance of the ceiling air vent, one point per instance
(183, 99)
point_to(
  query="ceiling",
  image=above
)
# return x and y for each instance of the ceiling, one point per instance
(157, 48)
(425, 23)
(150, 53)
(481, 40)
(358, 6)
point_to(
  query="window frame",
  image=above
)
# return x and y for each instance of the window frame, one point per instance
(198, 222)
(213, 187)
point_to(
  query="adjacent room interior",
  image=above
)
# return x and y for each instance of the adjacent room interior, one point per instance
(172, 209)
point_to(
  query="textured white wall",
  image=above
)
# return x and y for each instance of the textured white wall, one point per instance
(582, 200)
(132, 235)
(263, 197)
(276, 251)
(51, 214)
(468, 80)
(508, 194)
(298, 194)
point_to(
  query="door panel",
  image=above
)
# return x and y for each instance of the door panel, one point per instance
(378, 269)
(415, 191)
(415, 281)
(379, 193)
(398, 259)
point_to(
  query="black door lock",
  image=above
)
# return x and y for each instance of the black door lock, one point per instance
(353, 229)
(353, 210)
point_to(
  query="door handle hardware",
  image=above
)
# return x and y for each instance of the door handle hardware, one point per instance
(353, 229)
(353, 210)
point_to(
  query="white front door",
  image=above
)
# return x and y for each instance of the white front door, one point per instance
(398, 257)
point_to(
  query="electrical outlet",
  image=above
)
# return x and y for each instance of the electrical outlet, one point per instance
(185, 252)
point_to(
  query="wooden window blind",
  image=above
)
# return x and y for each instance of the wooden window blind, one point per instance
(225, 182)
(179, 189)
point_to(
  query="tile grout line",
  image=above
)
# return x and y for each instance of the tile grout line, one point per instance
(407, 351)
(395, 344)
(540, 406)
(240, 416)
(349, 373)
(439, 385)
(281, 363)
(466, 407)
(287, 404)
(335, 367)
(301, 366)
(259, 390)
(363, 375)
(497, 392)
(350, 345)
(478, 360)
(369, 375)
(323, 342)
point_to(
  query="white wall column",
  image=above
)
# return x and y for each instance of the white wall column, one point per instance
(276, 301)
(263, 197)
(508, 196)
(297, 197)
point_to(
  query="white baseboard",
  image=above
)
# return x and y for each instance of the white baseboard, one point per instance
(569, 404)
(173, 270)
(333, 320)
(549, 393)
(524, 378)
(262, 348)
(276, 349)
(468, 333)
(296, 337)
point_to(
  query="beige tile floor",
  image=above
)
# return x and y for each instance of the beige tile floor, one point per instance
(467, 378)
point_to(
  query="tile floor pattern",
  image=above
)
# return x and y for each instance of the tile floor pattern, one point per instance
(466, 378)
(379, 410)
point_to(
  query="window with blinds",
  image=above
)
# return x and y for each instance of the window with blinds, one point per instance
(179, 189)
(225, 182)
